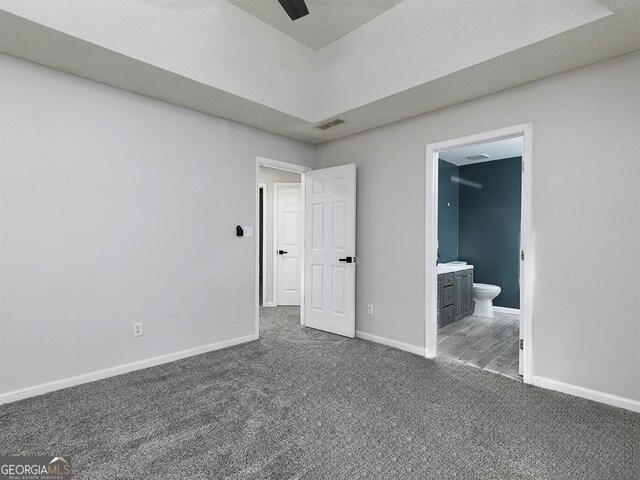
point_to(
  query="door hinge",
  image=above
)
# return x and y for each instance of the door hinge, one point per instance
(522, 255)
(522, 344)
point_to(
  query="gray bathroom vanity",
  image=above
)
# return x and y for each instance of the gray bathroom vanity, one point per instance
(455, 293)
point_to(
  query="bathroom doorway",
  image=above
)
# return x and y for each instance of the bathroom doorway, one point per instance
(479, 229)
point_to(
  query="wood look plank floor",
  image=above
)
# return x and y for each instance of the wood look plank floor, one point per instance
(490, 344)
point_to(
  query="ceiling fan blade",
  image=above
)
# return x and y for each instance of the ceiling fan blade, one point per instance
(294, 8)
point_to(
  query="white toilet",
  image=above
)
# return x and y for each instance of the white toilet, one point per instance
(483, 295)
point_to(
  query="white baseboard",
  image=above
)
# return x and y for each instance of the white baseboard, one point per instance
(589, 394)
(269, 304)
(391, 343)
(513, 311)
(119, 370)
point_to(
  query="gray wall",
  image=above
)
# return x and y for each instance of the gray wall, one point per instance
(125, 202)
(116, 208)
(586, 219)
(271, 176)
(448, 202)
(489, 225)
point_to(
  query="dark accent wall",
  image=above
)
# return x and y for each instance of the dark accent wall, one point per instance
(447, 215)
(489, 225)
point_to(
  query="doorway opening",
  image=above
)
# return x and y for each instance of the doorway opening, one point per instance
(305, 265)
(280, 235)
(478, 252)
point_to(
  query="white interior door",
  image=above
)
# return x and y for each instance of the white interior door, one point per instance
(289, 238)
(330, 244)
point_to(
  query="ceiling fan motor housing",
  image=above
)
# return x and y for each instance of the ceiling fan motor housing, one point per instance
(294, 8)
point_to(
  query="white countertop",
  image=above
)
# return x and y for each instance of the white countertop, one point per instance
(452, 268)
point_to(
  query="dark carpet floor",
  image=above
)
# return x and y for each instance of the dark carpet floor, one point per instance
(299, 403)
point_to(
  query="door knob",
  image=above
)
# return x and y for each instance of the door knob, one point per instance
(281, 252)
(348, 259)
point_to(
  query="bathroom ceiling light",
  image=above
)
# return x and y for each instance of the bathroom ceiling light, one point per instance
(482, 156)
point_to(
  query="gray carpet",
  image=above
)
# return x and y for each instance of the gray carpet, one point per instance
(299, 403)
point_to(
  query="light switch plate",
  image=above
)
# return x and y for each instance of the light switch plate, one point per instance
(248, 231)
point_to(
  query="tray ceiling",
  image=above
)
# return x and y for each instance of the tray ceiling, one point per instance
(419, 56)
(328, 20)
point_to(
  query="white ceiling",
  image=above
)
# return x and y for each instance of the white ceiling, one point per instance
(417, 57)
(508, 148)
(328, 20)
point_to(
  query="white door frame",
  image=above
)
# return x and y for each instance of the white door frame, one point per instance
(431, 237)
(265, 192)
(289, 167)
(275, 234)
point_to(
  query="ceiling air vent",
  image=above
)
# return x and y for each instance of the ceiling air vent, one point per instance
(329, 124)
(482, 156)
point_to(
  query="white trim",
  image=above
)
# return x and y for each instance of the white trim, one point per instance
(431, 236)
(512, 311)
(289, 167)
(269, 304)
(390, 343)
(274, 236)
(589, 394)
(279, 165)
(277, 185)
(119, 370)
(265, 190)
(303, 193)
(526, 244)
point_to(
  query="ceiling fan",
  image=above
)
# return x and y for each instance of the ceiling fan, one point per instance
(294, 8)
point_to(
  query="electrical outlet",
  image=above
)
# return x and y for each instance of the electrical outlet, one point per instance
(137, 329)
(248, 231)
(370, 309)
